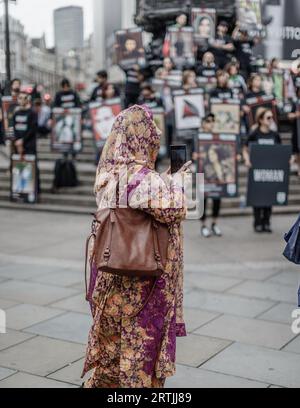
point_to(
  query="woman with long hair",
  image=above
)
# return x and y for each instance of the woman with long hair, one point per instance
(263, 135)
(125, 351)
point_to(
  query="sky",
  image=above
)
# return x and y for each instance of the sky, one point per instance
(37, 16)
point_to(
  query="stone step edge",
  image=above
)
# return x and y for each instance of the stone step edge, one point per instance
(60, 209)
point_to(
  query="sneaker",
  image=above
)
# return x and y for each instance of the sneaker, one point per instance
(258, 229)
(267, 229)
(216, 231)
(205, 232)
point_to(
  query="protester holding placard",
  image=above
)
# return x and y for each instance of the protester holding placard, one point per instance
(101, 80)
(134, 78)
(109, 91)
(222, 46)
(149, 97)
(208, 67)
(25, 124)
(164, 71)
(236, 80)
(66, 98)
(244, 45)
(25, 127)
(208, 124)
(255, 87)
(189, 80)
(254, 91)
(262, 135)
(222, 91)
(181, 22)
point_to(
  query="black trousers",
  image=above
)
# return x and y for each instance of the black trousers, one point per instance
(216, 208)
(262, 216)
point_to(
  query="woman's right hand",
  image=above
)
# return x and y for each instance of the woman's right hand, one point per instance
(248, 164)
(246, 109)
(186, 167)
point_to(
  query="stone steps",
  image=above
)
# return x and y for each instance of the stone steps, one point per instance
(80, 200)
(73, 199)
(76, 210)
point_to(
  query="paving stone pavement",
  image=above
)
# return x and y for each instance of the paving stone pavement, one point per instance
(239, 297)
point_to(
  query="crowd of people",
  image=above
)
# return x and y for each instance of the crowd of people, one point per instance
(226, 62)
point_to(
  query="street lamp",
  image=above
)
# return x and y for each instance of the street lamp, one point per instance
(7, 40)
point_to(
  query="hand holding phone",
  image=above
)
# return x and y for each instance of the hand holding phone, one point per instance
(178, 158)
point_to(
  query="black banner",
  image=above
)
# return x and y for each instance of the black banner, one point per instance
(268, 182)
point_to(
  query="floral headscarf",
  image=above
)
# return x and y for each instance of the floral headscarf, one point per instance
(134, 140)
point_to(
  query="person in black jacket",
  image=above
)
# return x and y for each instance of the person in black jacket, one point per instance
(134, 78)
(67, 98)
(222, 46)
(207, 68)
(244, 45)
(148, 97)
(25, 126)
(102, 78)
(262, 135)
(222, 91)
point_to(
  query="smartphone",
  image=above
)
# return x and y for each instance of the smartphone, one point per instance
(178, 157)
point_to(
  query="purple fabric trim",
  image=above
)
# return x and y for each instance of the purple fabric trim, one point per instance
(93, 278)
(181, 330)
(148, 110)
(134, 184)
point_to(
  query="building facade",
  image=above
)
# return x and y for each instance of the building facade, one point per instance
(68, 29)
(109, 16)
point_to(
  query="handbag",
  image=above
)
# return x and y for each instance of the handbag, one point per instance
(128, 242)
(292, 238)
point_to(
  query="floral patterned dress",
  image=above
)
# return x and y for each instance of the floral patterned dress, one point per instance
(125, 351)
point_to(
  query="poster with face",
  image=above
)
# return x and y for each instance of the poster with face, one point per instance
(103, 117)
(129, 47)
(181, 44)
(189, 109)
(160, 121)
(249, 14)
(66, 130)
(204, 23)
(218, 163)
(261, 102)
(268, 182)
(227, 116)
(9, 105)
(23, 179)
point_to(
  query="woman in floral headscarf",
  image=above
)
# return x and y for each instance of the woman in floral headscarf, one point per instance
(126, 351)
